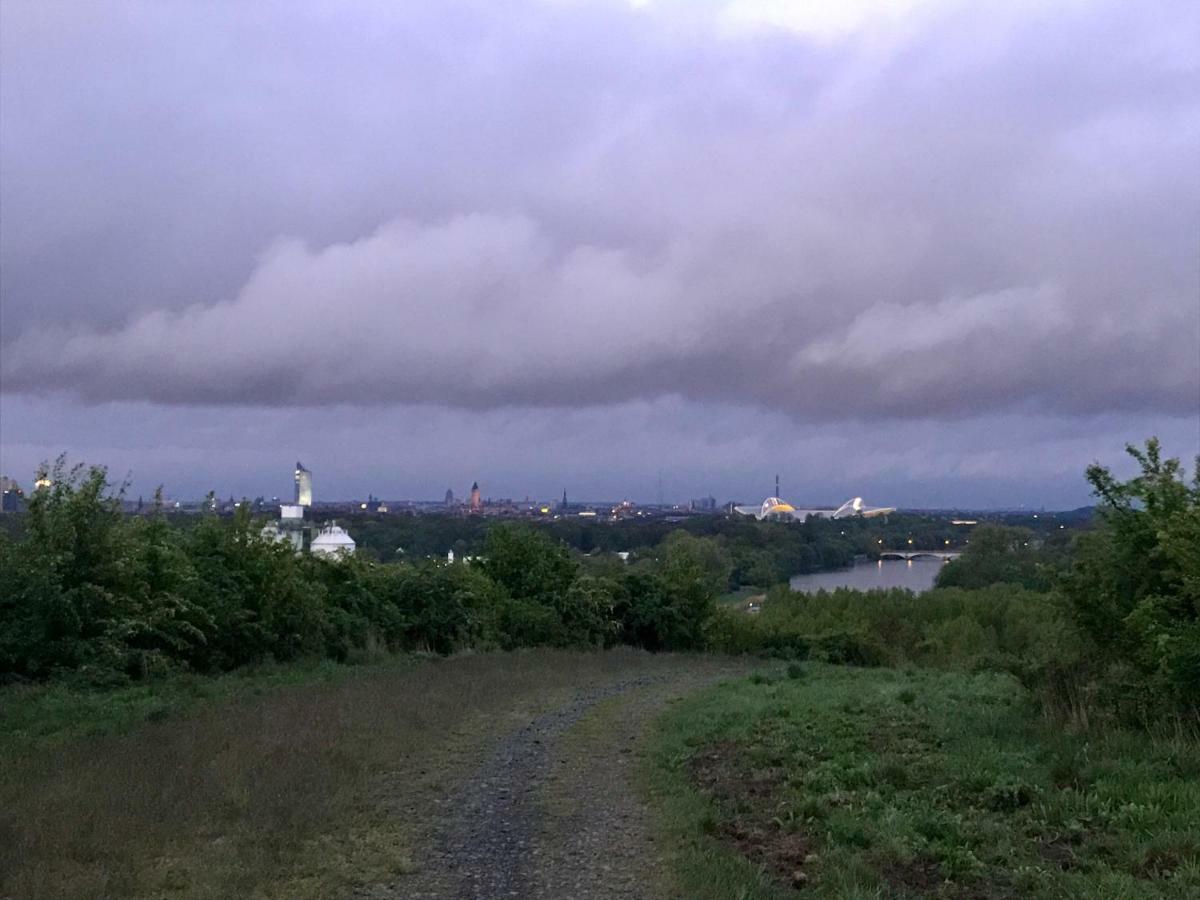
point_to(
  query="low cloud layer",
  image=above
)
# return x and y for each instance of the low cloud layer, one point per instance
(485, 311)
(971, 207)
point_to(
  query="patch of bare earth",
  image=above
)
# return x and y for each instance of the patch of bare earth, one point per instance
(748, 797)
(722, 770)
(921, 876)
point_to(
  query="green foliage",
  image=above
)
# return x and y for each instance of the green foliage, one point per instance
(87, 594)
(261, 602)
(670, 607)
(1135, 583)
(587, 614)
(758, 553)
(1000, 627)
(998, 554)
(527, 564)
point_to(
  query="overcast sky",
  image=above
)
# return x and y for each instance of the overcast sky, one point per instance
(929, 252)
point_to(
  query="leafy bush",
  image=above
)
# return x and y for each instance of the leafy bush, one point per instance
(848, 648)
(997, 554)
(1134, 585)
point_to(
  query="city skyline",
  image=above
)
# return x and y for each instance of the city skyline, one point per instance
(941, 253)
(929, 495)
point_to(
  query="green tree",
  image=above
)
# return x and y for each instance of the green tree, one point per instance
(64, 583)
(263, 603)
(527, 564)
(997, 554)
(586, 612)
(165, 626)
(1135, 582)
(446, 607)
(647, 615)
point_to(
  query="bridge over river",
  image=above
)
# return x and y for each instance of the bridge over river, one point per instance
(920, 554)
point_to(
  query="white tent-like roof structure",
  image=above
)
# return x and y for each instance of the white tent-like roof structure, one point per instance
(332, 540)
(774, 508)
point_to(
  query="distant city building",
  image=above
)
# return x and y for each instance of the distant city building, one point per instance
(304, 487)
(332, 540)
(449, 497)
(13, 497)
(564, 505)
(286, 531)
(704, 504)
(476, 502)
(374, 505)
(626, 509)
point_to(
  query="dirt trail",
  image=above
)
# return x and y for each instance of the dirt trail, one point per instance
(552, 812)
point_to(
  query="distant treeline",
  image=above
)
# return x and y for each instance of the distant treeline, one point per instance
(761, 553)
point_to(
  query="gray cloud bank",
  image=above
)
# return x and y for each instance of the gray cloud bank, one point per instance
(984, 208)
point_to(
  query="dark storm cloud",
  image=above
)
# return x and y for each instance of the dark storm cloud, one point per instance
(977, 208)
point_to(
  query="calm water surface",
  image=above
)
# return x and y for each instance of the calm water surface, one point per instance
(916, 575)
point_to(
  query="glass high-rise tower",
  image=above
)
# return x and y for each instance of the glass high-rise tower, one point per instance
(303, 486)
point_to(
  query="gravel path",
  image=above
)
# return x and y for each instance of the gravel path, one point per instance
(552, 812)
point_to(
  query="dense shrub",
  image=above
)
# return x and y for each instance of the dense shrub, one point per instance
(86, 593)
(999, 627)
(997, 554)
(1134, 585)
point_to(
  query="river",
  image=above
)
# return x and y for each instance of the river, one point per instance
(916, 575)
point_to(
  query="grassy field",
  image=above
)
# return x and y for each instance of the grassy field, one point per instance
(857, 783)
(741, 596)
(296, 782)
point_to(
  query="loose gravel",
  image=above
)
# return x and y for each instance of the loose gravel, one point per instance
(549, 814)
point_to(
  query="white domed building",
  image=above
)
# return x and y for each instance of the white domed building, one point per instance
(332, 540)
